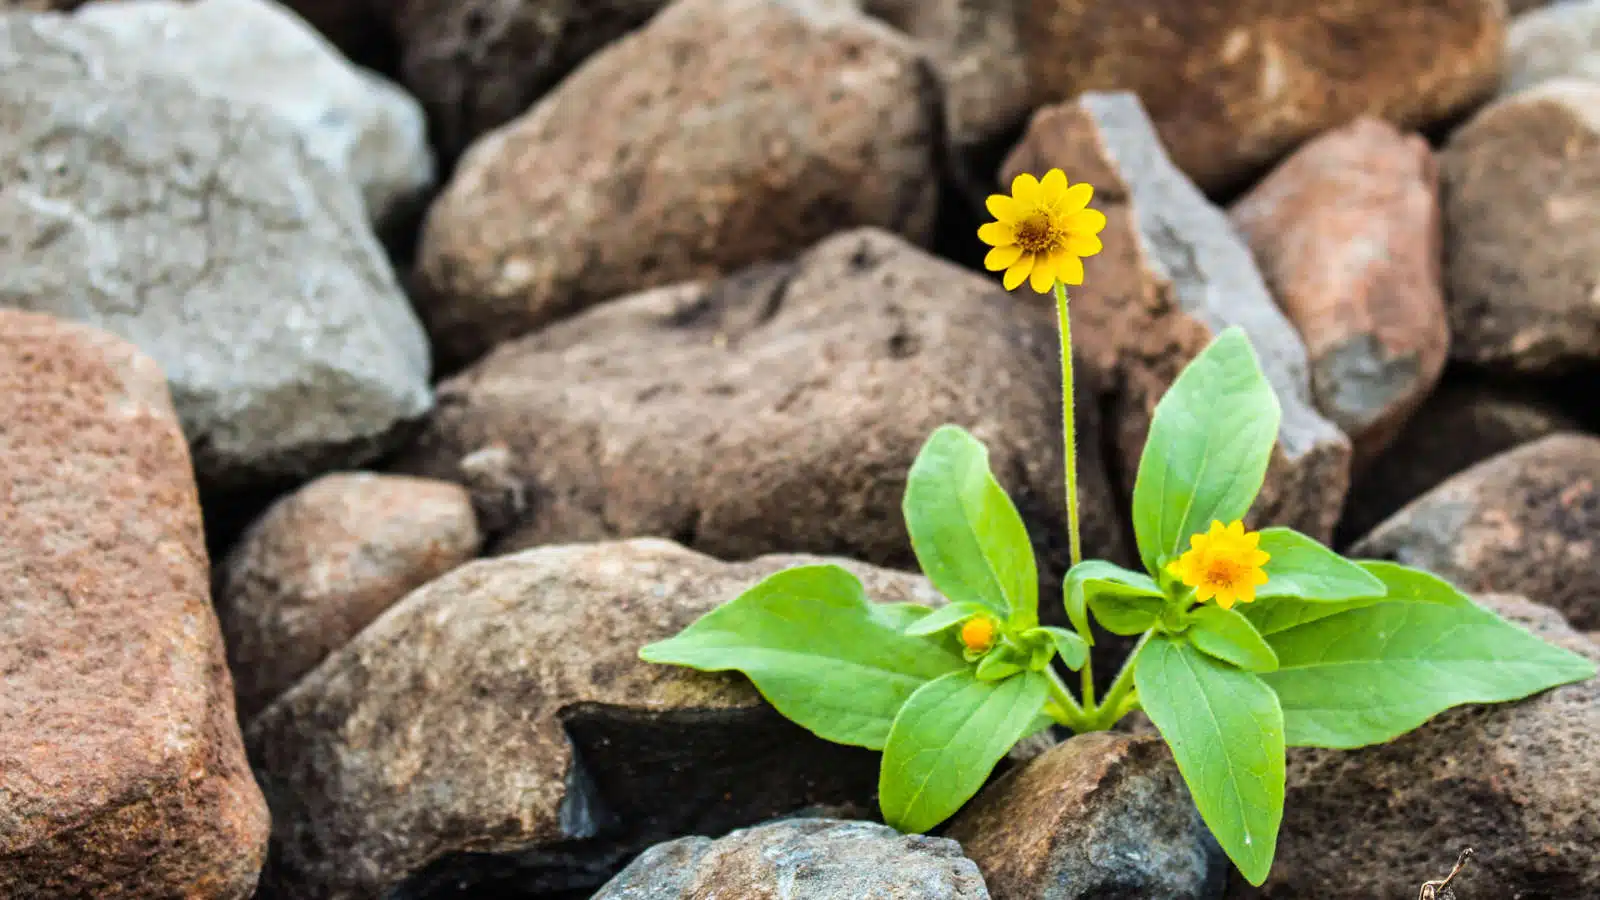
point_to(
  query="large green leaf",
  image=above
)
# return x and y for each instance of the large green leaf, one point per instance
(1229, 636)
(1073, 649)
(1301, 567)
(948, 738)
(1226, 733)
(1207, 453)
(965, 531)
(1397, 583)
(1370, 674)
(817, 650)
(1096, 578)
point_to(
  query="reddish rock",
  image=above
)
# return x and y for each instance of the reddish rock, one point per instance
(122, 773)
(1347, 234)
(1231, 86)
(1526, 521)
(724, 133)
(1173, 275)
(324, 562)
(1522, 230)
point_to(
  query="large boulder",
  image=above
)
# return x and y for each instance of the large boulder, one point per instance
(1173, 275)
(203, 231)
(121, 769)
(1552, 42)
(724, 133)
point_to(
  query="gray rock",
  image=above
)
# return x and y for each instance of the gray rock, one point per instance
(205, 233)
(257, 52)
(814, 859)
(1551, 42)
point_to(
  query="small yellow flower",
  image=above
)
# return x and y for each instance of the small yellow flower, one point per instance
(977, 634)
(1224, 563)
(1044, 231)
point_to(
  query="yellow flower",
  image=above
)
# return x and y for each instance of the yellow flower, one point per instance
(977, 634)
(1044, 231)
(1224, 563)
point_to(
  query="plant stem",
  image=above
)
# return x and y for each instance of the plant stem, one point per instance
(1111, 709)
(1069, 437)
(1072, 714)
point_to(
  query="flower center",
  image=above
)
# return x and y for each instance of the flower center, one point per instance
(977, 634)
(1224, 573)
(1037, 234)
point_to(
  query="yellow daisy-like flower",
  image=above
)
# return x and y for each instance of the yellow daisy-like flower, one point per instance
(1045, 230)
(1224, 563)
(978, 634)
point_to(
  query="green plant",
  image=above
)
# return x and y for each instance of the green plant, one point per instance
(1248, 642)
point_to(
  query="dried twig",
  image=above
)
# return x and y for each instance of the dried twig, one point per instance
(1431, 890)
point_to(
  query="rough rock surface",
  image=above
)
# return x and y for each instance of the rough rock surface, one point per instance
(1173, 275)
(817, 859)
(1347, 234)
(1513, 781)
(496, 730)
(1520, 184)
(1552, 42)
(725, 133)
(1527, 521)
(776, 410)
(1232, 86)
(205, 233)
(324, 562)
(256, 52)
(121, 769)
(1101, 815)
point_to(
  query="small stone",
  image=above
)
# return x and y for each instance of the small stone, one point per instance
(1527, 521)
(1522, 230)
(325, 561)
(776, 410)
(257, 52)
(1347, 234)
(204, 232)
(1232, 86)
(1552, 42)
(1513, 781)
(724, 133)
(122, 773)
(1174, 274)
(1101, 815)
(497, 731)
(815, 859)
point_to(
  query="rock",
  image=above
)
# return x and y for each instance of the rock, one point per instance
(1175, 274)
(1522, 234)
(1462, 423)
(1513, 781)
(776, 410)
(477, 64)
(1101, 815)
(1527, 521)
(1347, 235)
(256, 52)
(496, 730)
(324, 562)
(122, 773)
(202, 231)
(725, 133)
(1232, 88)
(818, 859)
(1552, 42)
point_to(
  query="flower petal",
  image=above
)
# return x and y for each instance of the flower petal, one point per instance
(1043, 277)
(1204, 591)
(1225, 599)
(1069, 269)
(1025, 190)
(998, 234)
(1018, 272)
(1002, 257)
(1247, 593)
(1083, 244)
(1003, 208)
(1236, 529)
(1086, 221)
(1258, 577)
(1076, 197)
(1053, 187)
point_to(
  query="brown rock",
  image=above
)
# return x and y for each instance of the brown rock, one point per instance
(325, 561)
(1513, 781)
(1101, 815)
(1347, 235)
(776, 410)
(1522, 230)
(1462, 423)
(121, 769)
(724, 133)
(1526, 521)
(1516, 7)
(1173, 275)
(496, 729)
(1232, 86)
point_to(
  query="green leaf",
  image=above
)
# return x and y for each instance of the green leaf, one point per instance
(1210, 440)
(948, 738)
(1127, 614)
(1369, 674)
(900, 616)
(1405, 583)
(1226, 732)
(1070, 645)
(817, 650)
(1398, 582)
(997, 665)
(1229, 636)
(947, 616)
(1301, 567)
(966, 533)
(1094, 577)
